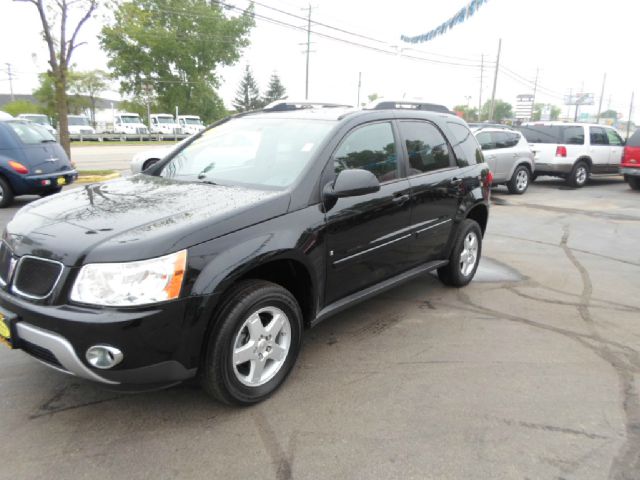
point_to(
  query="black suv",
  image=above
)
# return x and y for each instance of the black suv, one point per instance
(214, 261)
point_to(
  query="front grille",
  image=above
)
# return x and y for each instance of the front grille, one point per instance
(141, 130)
(5, 263)
(36, 277)
(40, 353)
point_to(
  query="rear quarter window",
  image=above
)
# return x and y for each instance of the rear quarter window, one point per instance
(466, 146)
(634, 140)
(570, 135)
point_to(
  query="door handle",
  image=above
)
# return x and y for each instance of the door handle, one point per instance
(515, 155)
(400, 198)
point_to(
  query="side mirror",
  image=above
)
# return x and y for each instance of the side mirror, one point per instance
(352, 183)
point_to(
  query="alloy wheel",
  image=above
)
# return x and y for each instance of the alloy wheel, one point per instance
(469, 254)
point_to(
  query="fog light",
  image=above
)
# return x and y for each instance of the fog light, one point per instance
(104, 356)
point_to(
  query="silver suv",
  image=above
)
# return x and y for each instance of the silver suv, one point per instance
(508, 155)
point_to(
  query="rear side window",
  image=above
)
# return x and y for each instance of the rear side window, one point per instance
(372, 148)
(467, 148)
(568, 135)
(634, 140)
(30, 134)
(427, 148)
(614, 138)
(598, 136)
(505, 139)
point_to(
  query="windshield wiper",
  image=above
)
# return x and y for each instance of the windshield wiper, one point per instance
(48, 140)
(209, 182)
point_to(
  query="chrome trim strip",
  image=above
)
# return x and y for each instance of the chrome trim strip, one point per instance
(434, 226)
(410, 228)
(17, 291)
(62, 350)
(3, 282)
(350, 257)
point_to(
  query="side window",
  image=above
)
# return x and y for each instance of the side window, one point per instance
(466, 145)
(501, 139)
(573, 135)
(614, 138)
(372, 148)
(598, 136)
(427, 148)
(512, 139)
(486, 141)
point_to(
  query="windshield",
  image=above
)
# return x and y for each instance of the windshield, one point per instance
(130, 119)
(31, 134)
(78, 120)
(260, 152)
(193, 121)
(165, 119)
(39, 119)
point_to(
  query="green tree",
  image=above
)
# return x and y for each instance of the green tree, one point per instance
(90, 85)
(17, 107)
(275, 90)
(174, 47)
(247, 94)
(45, 94)
(66, 17)
(470, 114)
(537, 111)
(609, 114)
(501, 111)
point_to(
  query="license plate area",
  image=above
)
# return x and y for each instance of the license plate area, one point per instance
(7, 332)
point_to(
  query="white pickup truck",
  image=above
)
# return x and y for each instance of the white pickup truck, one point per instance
(574, 151)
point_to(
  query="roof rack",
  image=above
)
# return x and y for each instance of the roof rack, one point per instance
(385, 104)
(287, 105)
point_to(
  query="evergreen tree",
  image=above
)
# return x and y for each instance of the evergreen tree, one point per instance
(275, 90)
(247, 94)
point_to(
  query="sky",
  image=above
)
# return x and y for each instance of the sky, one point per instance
(570, 43)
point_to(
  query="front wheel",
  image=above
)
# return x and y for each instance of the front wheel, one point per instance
(465, 256)
(634, 182)
(579, 175)
(254, 343)
(519, 180)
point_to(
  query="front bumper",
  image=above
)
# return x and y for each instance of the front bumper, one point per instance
(161, 344)
(630, 172)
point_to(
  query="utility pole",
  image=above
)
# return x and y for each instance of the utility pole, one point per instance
(630, 113)
(481, 80)
(306, 83)
(359, 85)
(535, 90)
(604, 81)
(10, 80)
(495, 82)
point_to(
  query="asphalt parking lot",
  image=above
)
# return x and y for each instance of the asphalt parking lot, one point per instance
(531, 372)
(99, 156)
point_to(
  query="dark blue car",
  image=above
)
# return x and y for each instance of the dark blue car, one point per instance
(31, 162)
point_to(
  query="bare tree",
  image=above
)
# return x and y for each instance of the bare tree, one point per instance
(56, 14)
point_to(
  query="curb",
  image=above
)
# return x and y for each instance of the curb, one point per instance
(96, 178)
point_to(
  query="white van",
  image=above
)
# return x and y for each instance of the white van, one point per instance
(40, 119)
(574, 151)
(190, 124)
(80, 125)
(165, 124)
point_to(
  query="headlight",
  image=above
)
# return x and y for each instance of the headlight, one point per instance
(131, 283)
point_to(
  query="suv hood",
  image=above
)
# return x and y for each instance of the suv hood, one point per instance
(136, 218)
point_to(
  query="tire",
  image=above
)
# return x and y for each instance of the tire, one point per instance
(51, 191)
(149, 163)
(519, 180)
(6, 193)
(259, 303)
(579, 175)
(634, 182)
(459, 272)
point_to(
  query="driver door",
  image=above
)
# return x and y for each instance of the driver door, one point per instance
(367, 236)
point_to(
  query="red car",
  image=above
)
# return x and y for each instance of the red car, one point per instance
(630, 166)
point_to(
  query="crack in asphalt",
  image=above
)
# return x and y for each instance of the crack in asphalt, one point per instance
(51, 407)
(552, 428)
(279, 458)
(588, 213)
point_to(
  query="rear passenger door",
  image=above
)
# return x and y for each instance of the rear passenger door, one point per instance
(616, 147)
(508, 154)
(599, 149)
(431, 170)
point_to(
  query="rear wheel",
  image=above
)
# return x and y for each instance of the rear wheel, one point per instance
(519, 180)
(254, 343)
(579, 175)
(6, 193)
(465, 256)
(634, 182)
